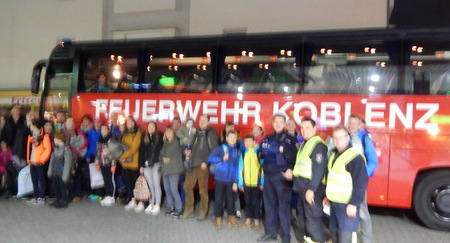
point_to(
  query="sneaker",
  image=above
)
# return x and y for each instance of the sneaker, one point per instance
(176, 215)
(112, 200)
(130, 206)
(61, 205)
(39, 202)
(267, 238)
(31, 201)
(149, 209)
(54, 203)
(155, 210)
(238, 214)
(93, 198)
(140, 208)
(108, 201)
(169, 211)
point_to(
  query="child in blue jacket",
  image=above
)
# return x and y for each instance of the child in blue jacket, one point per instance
(226, 158)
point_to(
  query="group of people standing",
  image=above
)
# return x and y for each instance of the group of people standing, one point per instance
(271, 171)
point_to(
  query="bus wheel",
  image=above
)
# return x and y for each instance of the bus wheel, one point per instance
(432, 200)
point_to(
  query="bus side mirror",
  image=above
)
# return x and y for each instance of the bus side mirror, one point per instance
(36, 75)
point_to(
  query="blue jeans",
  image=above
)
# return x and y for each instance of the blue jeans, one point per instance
(171, 188)
(38, 176)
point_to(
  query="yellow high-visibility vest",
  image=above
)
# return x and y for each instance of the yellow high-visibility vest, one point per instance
(339, 181)
(303, 163)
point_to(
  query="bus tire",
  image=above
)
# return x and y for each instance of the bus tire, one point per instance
(431, 201)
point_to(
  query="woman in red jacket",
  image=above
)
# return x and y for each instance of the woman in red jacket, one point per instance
(39, 149)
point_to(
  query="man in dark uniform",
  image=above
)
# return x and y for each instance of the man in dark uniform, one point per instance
(278, 151)
(346, 186)
(309, 170)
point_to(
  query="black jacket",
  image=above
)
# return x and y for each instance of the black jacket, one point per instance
(10, 129)
(149, 151)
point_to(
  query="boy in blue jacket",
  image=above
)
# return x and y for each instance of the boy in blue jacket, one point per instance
(225, 159)
(250, 182)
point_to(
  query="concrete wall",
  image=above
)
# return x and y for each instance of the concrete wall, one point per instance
(213, 17)
(29, 29)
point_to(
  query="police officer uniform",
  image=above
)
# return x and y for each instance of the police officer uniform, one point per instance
(309, 171)
(277, 192)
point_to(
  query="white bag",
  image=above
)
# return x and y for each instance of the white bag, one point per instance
(95, 176)
(25, 185)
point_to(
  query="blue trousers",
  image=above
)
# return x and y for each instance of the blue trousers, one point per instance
(277, 196)
(340, 221)
(171, 188)
(38, 175)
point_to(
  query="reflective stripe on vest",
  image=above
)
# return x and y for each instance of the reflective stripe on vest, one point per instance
(303, 163)
(339, 181)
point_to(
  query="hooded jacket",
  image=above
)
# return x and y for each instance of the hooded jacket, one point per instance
(42, 149)
(226, 171)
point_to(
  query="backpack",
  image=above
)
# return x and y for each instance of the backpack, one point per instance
(76, 142)
(187, 161)
(141, 191)
(115, 149)
(212, 167)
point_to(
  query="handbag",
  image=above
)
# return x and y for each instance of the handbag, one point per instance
(95, 176)
(25, 185)
(141, 191)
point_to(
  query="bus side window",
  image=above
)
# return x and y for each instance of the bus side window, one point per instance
(432, 79)
(195, 83)
(231, 83)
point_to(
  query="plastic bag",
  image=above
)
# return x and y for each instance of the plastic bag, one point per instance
(25, 185)
(96, 177)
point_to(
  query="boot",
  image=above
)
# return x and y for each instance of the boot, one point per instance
(334, 235)
(232, 221)
(218, 222)
(256, 225)
(247, 224)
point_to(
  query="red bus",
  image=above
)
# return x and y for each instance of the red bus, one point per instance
(397, 80)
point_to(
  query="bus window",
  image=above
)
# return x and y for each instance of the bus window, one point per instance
(111, 72)
(428, 71)
(170, 71)
(351, 68)
(258, 68)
